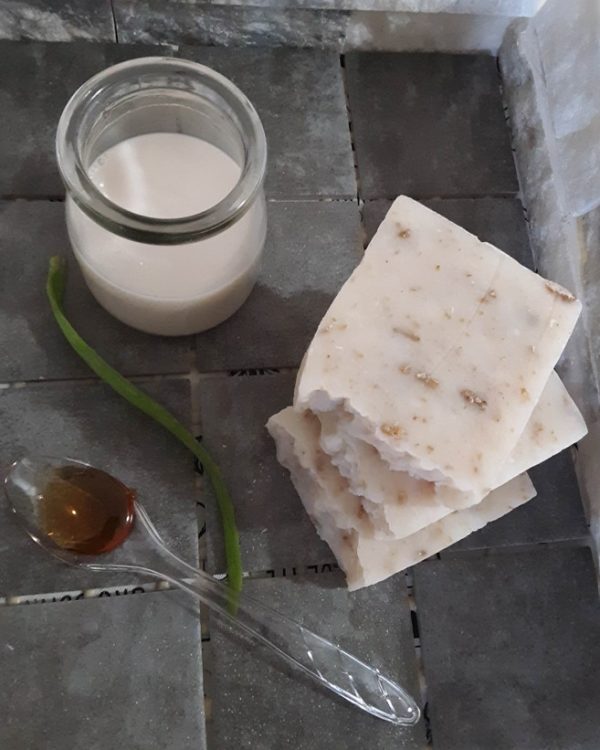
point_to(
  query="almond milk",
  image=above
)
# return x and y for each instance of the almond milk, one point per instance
(168, 289)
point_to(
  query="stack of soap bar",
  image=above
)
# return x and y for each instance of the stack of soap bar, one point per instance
(426, 393)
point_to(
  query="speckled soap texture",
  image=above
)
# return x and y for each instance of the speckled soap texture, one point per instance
(428, 125)
(102, 674)
(299, 96)
(302, 272)
(57, 20)
(512, 658)
(274, 528)
(49, 73)
(497, 220)
(233, 25)
(256, 702)
(87, 421)
(31, 345)
(556, 514)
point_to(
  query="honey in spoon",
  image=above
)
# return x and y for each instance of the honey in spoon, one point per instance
(86, 510)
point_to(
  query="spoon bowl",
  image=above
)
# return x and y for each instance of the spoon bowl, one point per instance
(69, 507)
(88, 518)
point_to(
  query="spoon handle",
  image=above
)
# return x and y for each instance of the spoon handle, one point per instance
(328, 664)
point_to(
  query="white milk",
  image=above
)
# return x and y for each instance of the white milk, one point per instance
(168, 289)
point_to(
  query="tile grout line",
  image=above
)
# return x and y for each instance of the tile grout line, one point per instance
(360, 202)
(509, 549)
(519, 195)
(200, 484)
(502, 196)
(151, 378)
(60, 198)
(422, 680)
(114, 20)
(8, 197)
(57, 597)
(91, 380)
(301, 571)
(315, 199)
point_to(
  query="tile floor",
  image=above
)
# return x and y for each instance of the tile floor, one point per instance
(501, 633)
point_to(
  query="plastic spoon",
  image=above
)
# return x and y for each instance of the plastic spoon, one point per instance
(89, 519)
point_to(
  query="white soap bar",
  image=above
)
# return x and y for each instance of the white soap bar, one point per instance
(340, 518)
(400, 505)
(556, 423)
(378, 560)
(438, 347)
(397, 504)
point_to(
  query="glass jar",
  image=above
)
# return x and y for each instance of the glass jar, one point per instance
(164, 161)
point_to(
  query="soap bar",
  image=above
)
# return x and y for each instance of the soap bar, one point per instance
(399, 504)
(342, 522)
(437, 335)
(556, 423)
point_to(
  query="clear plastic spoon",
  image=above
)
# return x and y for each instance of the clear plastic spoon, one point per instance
(89, 519)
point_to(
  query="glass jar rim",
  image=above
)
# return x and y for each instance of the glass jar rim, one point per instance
(147, 228)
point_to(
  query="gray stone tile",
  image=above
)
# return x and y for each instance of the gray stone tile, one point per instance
(49, 73)
(511, 649)
(258, 704)
(89, 422)
(448, 26)
(299, 96)
(273, 526)
(555, 515)
(57, 21)
(311, 249)
(229, 24)
(496, 220)
(31, 345)
(101, 674)
(428, 125)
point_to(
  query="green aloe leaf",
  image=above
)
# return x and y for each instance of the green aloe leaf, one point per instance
(55, 287)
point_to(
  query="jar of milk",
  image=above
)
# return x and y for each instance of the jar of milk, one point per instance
(164, 162)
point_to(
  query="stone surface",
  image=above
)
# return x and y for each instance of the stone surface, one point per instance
(397, 25)
(274, 528)
(565, 54)
(299, 96)
(101, 674)
(491, 7)
(568, 42)
(56, 20)
(588, 472)
(512, 657)
(578, 163)
(516, 633)
(428, 125)
(302, 272)
(31, 344)
(588, 234)
(555, 515)
(230, 25)
(49, 73)
(258, 704)
(87, 421)
(560, 243)
(496, 220)
(425, 31)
